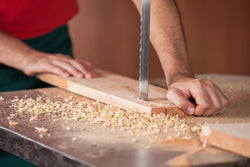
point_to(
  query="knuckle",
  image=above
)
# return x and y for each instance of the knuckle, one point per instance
(205, 106)
(209, 82)
(217, 107)
(199, 83)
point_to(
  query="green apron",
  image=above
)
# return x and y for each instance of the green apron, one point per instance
(57, 41)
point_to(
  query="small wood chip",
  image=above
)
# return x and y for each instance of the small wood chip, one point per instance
(74, 139)
(41, 129)
(13, 123)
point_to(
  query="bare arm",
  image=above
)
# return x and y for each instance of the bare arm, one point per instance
(16, 54)
(167, 37)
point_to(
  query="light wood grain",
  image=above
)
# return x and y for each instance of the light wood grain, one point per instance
(116, 90)
(233, 137)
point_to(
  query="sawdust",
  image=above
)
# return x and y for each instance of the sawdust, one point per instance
(93, 112)
(42, 131)
(13, 123)
(73, 138)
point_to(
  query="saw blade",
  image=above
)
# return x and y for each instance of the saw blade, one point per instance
(144, 49)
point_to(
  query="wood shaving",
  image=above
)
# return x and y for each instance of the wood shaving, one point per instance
(13, 123)
(41, 129)
(67, 128)
(74, 139)
(94, 112)
(133, 140)
(1, 98)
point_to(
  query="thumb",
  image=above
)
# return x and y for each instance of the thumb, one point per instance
(176, 96)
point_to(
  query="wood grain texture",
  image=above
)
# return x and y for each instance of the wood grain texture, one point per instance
(116, 90)
(231, 137)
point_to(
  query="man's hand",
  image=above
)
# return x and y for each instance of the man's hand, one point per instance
(208, 97)
(16, 54)
(59, 64)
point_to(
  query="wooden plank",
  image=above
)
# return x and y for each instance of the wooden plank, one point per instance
(114, 89)
(233, 137)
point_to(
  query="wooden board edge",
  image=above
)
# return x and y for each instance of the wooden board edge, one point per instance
(224, 141)
(102, 97)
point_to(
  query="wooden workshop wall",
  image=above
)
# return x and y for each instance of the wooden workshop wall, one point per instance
(217, 33)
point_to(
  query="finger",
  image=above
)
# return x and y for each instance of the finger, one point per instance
(68, 67)
(224, 100)
(202, 100)
(176, 97)
(81, 67)
(89, 64)
(91, 75)
(56, 70)
(84, 67)
(216, 105)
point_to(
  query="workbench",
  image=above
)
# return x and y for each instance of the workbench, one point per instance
(95, 145)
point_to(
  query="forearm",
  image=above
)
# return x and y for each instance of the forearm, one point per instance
(168, 39)
(13, 51)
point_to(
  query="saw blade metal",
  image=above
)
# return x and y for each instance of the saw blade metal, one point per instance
(144, 49)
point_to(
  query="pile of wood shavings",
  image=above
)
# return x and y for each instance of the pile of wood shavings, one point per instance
(93, 112)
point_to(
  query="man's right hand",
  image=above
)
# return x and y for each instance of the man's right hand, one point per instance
(59, 64)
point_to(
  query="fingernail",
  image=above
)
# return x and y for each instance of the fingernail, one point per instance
(190, 110)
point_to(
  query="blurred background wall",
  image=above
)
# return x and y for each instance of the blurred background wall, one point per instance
(107, 33)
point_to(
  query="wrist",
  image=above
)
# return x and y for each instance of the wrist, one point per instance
(25, 56)
(176, 77)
